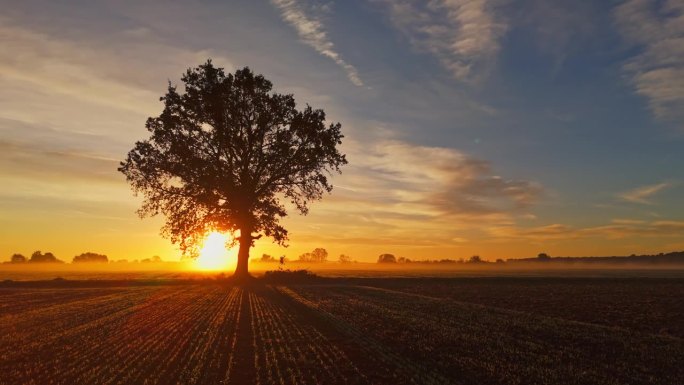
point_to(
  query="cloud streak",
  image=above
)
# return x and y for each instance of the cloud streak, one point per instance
(657, 72)
(392, 189)
(642, 194)
(464, 35)
(312, 32)
(448, 181)
(617, 229)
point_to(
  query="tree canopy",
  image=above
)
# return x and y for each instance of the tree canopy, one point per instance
(224, 154)
(18, 258)
(90, 257)
(387, 258)
(38, 257)
(317, 255)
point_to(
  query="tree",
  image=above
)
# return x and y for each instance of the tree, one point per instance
(319, 255)
(543, 257)
(38, 257)
(387, 258)
(223, 154)
(306, 257)
(475, 259)
(17, 258)
(344, 259)
(90, 258)
(266, 258)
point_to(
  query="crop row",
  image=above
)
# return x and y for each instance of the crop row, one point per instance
(642, 304)
(143, 335)
(475, 344)
(389, 365)
(291, 350)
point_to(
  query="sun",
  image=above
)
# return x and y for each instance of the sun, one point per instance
(213, 255)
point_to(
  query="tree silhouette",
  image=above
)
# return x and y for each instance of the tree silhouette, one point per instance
(387, 258)
(18, 258)
(319, 255)
(90, 257)
(224, 153)
(38, 257)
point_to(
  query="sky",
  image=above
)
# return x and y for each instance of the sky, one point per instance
(499, 128)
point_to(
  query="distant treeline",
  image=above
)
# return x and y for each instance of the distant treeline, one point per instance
(87, 257)
(673, 258)
(391, 258)
(318, 255)
(36, 257)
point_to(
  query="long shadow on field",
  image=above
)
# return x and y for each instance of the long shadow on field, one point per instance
(243, 369)
(288, 345)
(376, 362)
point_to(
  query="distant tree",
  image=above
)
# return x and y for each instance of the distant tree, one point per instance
(18, 258)
(156, 259)
(344, 259)
(499, 260)
(475, 259)
(543, 257)
(267, 258)
(403, 260)
(90, 258)
(38, 257)
(224, 153)
(387, 258)
(319, 255)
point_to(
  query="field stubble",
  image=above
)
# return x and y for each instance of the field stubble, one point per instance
(340, 332)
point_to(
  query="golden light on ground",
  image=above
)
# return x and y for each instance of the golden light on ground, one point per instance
(214, 255)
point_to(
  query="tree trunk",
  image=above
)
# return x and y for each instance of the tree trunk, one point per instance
(241, 270)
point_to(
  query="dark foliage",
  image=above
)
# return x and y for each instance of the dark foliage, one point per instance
(289, 276)
(387, 258)
(223, 154)
(90, 258)
(317, 255)
(38, 257)
(18, 258)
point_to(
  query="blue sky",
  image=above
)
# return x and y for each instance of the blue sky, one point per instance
(493, 127)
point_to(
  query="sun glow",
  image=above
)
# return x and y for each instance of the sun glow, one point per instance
(214, 255)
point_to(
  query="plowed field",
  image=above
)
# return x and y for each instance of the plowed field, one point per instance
(333, 333)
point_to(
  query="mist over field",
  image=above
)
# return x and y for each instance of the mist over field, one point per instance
(187, 270)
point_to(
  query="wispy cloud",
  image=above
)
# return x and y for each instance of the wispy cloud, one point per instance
(657, 72)
(448, 180)
(463, 34)
(643, 193)
(312, 32)
(392, 187)
(617, 229)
